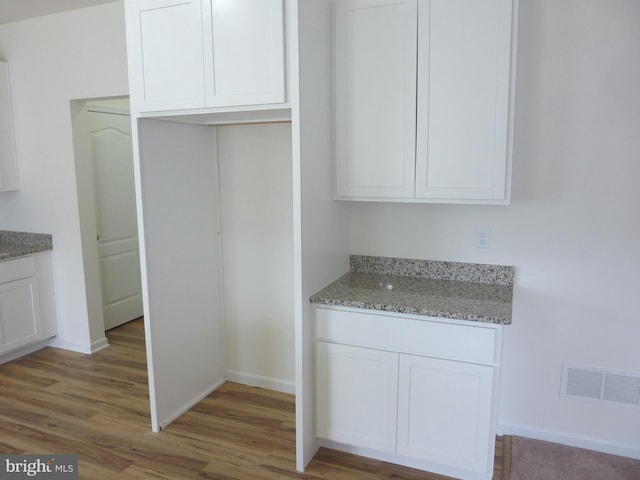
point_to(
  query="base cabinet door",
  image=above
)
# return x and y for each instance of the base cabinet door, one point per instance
(356, 396)
(19, 311)
(18, 317)
(445, 412)
(27, 311)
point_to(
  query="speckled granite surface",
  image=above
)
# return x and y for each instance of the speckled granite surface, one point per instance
(465, 272)
(16, 244)
(460, 291)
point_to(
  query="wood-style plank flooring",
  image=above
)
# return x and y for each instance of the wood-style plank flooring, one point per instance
(54, 401)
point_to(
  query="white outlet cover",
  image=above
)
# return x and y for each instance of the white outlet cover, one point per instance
(483, 237)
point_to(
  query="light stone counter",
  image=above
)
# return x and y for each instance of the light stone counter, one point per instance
(460, 291)
(17, 244)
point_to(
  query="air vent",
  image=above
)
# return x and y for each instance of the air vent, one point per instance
(600, 385)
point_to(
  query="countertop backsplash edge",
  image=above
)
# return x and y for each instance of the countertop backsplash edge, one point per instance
(433, 269)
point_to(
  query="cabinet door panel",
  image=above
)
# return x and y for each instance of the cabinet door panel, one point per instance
(248, 52)
(165, 54)
(464, 63)
(18, 314)
(8, 164)
(356, 396)
(375, 58)
(445, 412)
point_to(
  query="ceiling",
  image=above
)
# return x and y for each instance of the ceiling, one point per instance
(15, 10)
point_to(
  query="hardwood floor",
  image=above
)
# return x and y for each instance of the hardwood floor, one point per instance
(55, 401)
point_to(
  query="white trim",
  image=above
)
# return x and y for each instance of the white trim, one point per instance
(570, 440)
(99, 344)
(186, 407)
(88, 349)
(407, 462)
(268, 383)
(8, 357)
(73, 346)
(109, 106)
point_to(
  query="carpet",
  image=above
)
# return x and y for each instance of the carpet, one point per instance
(537, 460)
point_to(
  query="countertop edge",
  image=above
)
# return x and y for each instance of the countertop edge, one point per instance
(17, 244)
(411, 311)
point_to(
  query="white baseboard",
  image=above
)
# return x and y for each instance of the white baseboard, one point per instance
(88, 349)
(570, 440)
(263, 382)
(408, 462)
(99, 344)
(7, 357)
(57, 342)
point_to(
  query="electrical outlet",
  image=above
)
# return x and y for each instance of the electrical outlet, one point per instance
(483, 237)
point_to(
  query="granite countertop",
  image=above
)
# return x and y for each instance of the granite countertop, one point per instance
(460, 291)
(17, 244)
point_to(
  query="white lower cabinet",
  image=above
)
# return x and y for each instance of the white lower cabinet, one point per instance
(18, 313)
(26, 302)
(444, 411)
(357, 395)
(417, 391)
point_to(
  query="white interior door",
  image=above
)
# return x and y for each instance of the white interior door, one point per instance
(117, 231)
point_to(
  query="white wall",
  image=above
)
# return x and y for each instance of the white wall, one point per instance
(573, 228)
(55, 59)
(257, 244)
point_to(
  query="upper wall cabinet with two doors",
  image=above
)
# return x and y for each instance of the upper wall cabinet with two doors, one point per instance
(423, 100)
(196, 54)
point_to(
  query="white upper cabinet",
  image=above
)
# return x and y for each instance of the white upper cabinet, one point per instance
(8, 162)
(166, 54)
(193, 54)
(375, 70)
(248, 53)
(464, 65)
(446, 137)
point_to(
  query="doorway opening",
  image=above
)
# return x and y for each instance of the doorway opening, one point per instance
(108, 221)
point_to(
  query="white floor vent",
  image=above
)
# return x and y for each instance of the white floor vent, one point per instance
(588, 383)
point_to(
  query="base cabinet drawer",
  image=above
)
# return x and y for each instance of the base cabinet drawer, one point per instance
(475, 342)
